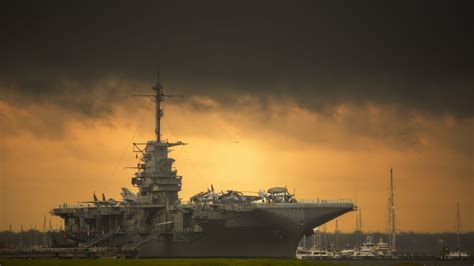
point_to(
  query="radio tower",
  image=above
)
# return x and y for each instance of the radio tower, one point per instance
(391, 215)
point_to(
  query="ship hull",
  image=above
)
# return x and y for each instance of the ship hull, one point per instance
(265, 232)
(236, 243)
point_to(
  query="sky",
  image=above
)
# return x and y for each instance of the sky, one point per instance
(324, 97)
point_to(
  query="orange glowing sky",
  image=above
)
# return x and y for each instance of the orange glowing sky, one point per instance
(324, 97)
(50, 155)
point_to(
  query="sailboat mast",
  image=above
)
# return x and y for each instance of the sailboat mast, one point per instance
(357, 230)
(356, 214)
(44, 231)
(325, 237)
(391, 213)
(10, 237)
(315, 237)
(458, 224)
(21, 237)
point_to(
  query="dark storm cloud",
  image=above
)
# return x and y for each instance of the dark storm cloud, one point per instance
(415, 54)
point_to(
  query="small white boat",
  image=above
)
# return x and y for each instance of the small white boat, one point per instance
(315, 253)
(457, 255)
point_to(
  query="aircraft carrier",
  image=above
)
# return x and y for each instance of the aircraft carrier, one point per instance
(155, 222)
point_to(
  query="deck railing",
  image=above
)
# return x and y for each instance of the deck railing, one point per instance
(325, 201)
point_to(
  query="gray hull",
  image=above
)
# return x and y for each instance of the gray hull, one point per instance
(272, 232)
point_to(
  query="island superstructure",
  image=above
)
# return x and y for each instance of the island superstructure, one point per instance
(155, 222)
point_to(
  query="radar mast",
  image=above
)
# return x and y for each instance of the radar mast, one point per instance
(158, 183)
(159, 97)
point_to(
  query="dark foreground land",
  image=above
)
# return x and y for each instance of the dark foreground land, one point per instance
(224, 262)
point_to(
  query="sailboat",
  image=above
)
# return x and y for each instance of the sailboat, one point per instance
(458, 254)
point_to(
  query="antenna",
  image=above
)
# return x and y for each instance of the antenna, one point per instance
(158, 98)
